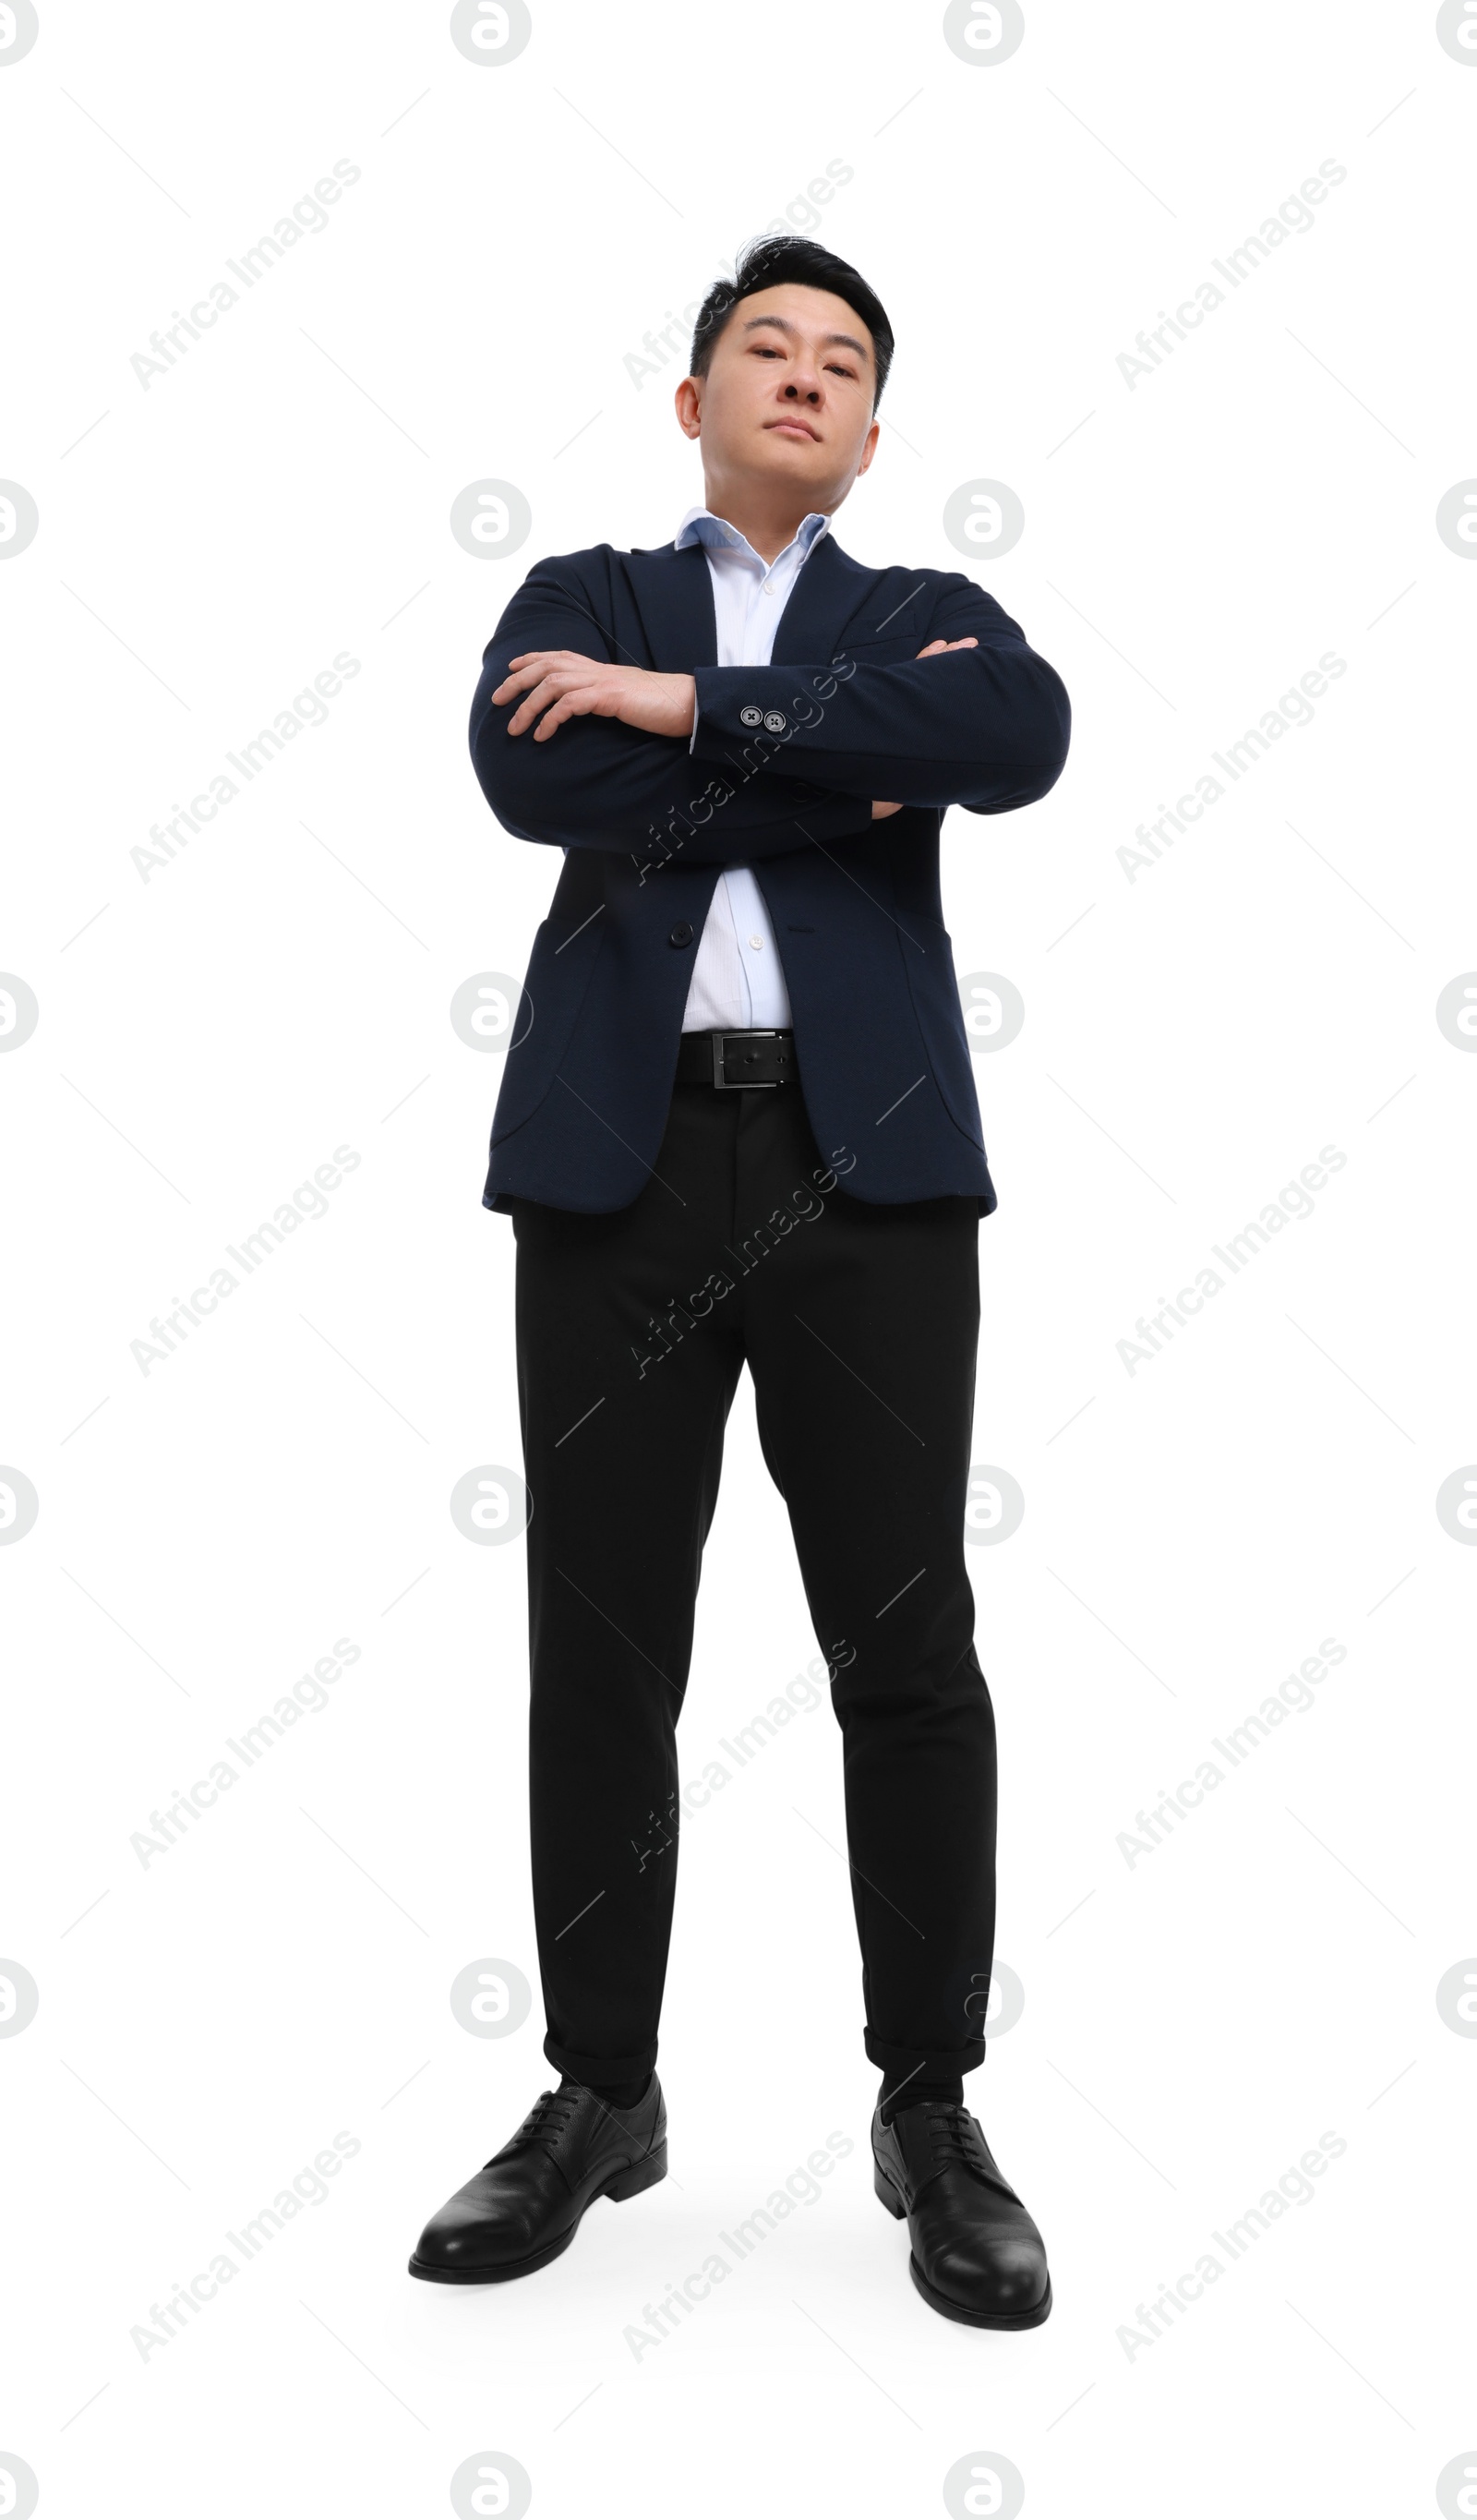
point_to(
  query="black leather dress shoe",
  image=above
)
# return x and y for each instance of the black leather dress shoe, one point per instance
(977, 2255)
(524, 2205)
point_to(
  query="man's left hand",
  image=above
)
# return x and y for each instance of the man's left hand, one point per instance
(556, 683)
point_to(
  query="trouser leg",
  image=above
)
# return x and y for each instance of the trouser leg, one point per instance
(622, 1445)
(861, 1327)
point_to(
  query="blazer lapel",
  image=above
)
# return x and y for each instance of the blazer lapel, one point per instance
(674, 596)
(826, 593)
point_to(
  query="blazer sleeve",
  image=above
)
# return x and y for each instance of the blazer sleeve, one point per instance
(600, 785)
(986, 728)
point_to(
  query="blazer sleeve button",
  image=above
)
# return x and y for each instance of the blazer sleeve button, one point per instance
(681, 934)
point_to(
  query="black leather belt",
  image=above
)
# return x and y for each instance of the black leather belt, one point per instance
(737, 1059)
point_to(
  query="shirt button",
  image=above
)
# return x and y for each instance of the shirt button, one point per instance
(757, 943)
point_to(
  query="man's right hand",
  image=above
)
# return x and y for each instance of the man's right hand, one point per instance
(936, 648)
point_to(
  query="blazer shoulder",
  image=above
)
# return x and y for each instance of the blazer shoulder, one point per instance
(922, 586)
(955, 594)
(936, 603)
(591, 566)
(601, 567)
(951, 584)
(581, 578)
(922, 581)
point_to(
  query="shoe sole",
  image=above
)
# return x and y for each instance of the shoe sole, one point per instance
(940, 2301)
(625, 2184)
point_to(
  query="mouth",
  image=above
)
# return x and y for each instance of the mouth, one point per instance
(795, 428)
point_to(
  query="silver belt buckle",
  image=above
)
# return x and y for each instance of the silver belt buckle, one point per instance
(735, 1084)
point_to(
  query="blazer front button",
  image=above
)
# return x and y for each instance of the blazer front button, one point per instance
(681, 934)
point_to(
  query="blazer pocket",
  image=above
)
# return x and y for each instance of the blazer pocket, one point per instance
(934, 985)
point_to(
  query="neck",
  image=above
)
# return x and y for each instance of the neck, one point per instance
(768, 519)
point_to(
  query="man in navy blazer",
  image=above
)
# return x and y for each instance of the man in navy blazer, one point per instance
(737, 1125)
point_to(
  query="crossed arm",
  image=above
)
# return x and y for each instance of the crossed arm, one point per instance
(579, 752)
(554, 684)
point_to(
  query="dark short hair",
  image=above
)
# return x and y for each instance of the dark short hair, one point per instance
(766, 263)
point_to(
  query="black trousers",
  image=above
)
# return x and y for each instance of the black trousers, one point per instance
(858, 1324)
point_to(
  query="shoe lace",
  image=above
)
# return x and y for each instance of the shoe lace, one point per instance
(956, 2136)
(548, 2118)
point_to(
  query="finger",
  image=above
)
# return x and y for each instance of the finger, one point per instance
(547, 689)
(562, 672)
(573, 702)
(522, 681)
(522, 671)
(525, 671)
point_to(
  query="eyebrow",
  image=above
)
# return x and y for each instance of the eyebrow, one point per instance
(782, 324)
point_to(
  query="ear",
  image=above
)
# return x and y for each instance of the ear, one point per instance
(869, 447)
(687, 403)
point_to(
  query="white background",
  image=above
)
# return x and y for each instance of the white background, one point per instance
(1193, 2023)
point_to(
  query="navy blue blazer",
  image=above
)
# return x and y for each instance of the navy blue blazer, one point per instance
(780, 774)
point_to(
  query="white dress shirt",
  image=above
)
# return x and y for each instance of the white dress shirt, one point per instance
(737, 978)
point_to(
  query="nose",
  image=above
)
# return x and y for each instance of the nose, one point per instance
(804, 389)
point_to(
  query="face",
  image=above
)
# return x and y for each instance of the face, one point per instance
(786, 401)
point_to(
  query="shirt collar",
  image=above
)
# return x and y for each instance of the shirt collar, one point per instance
(700, 526)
